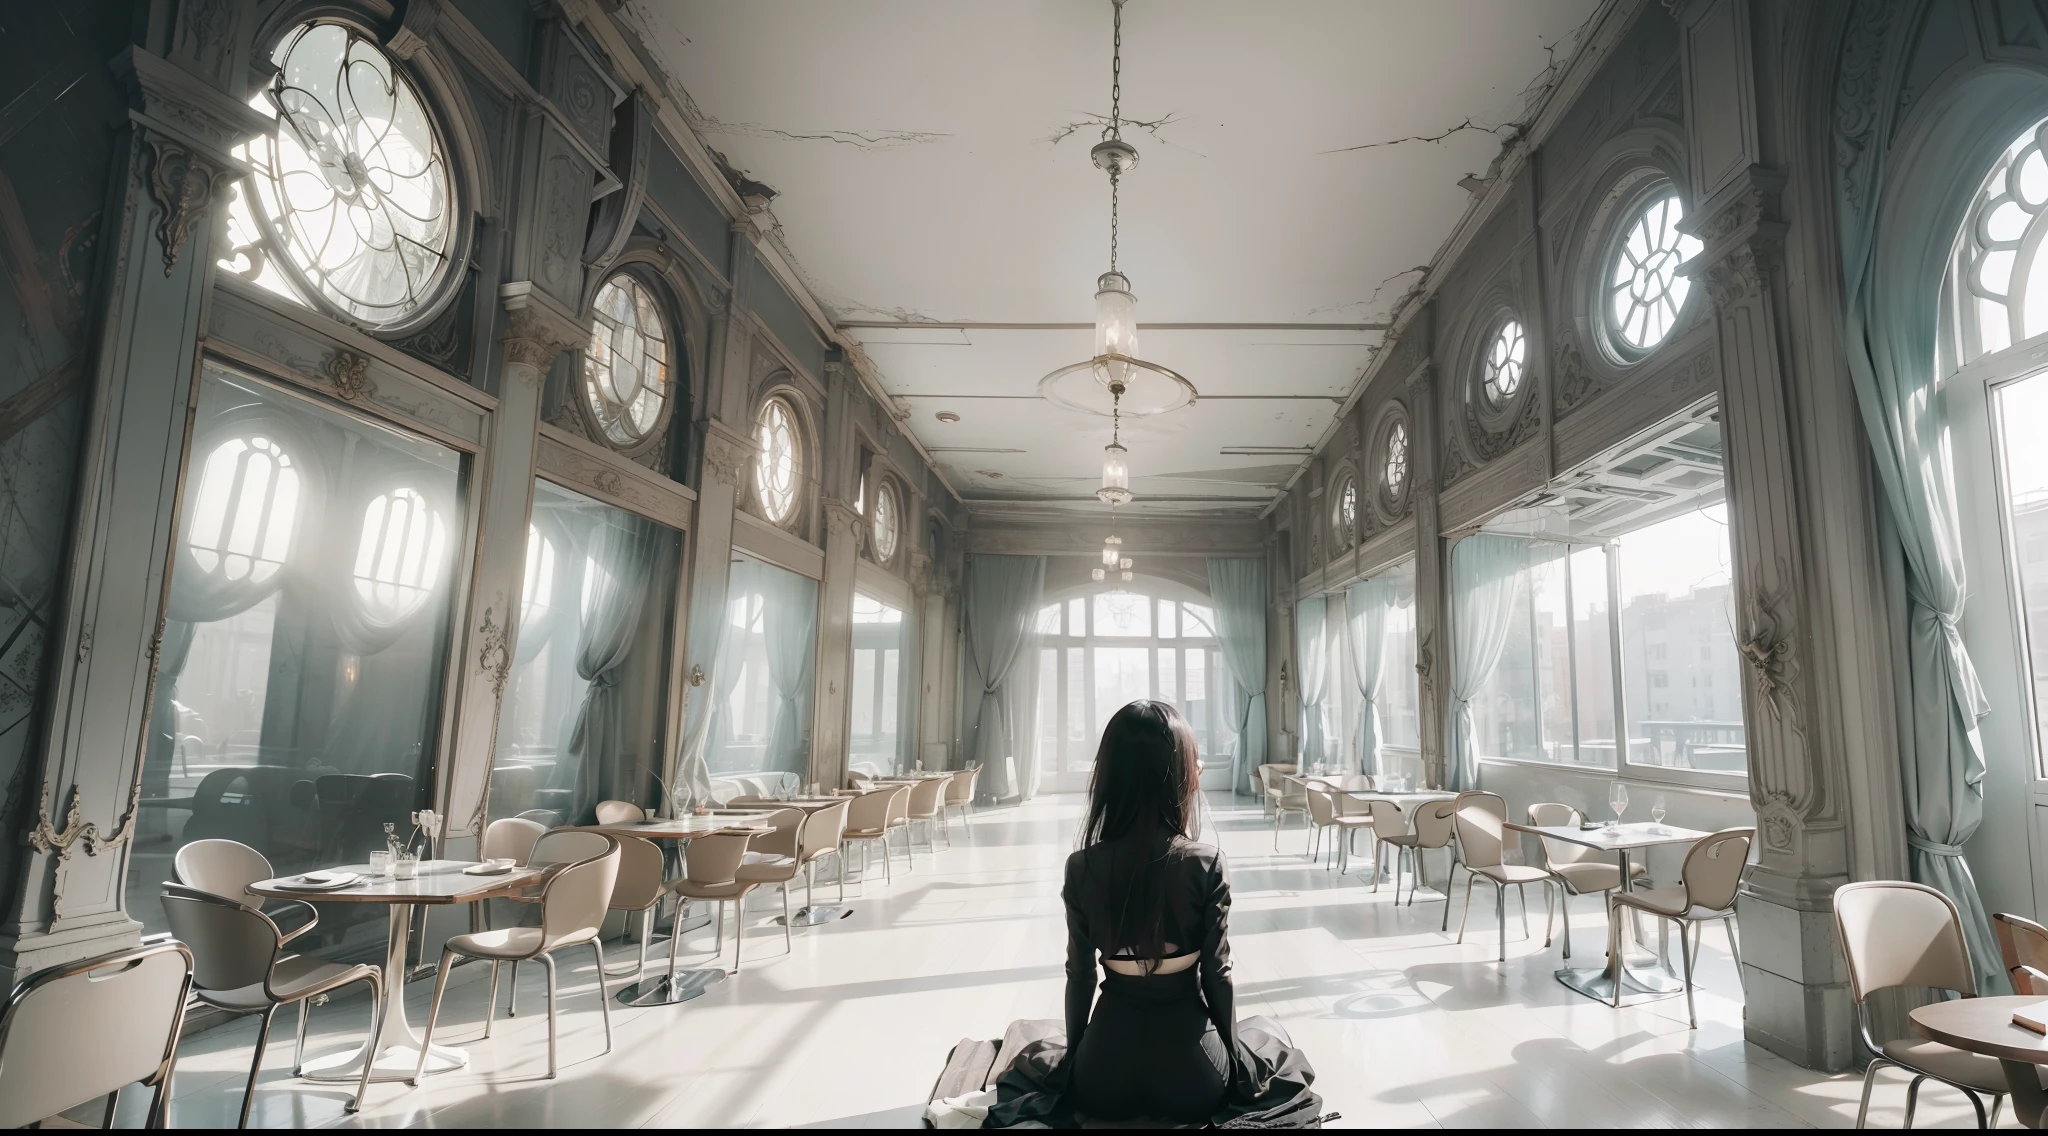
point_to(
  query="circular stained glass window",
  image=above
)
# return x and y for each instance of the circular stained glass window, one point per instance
(778, 461)
(1505, 359)
(242, 516)
(1395, 474)
(625, 368)
(1644, 290)
(355, 183)
(885, 521)
(399, 556)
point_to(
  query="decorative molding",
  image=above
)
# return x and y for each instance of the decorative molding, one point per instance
(1575, 381)
(594, 470)
(415, 28)
(726, 455)
(494, 652)
(530, 341)
(184, 183)
(351, 375)
(1486, 446)
(1861, 80)
(46, 836)
(1767, 645)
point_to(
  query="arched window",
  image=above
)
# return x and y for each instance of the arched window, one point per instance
(885, 522)
(1644, 289)
(399, 557)
(353, 190)
(778, 461)
(242, 516)
(1501, 374)
(625, 367)
(1998, 280)
(1394, 474)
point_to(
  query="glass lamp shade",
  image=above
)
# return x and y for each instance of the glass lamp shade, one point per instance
(1126, 577)
(1116, 476)
(1116, 318)
(1098, 575)
(1110, 545)
(1124, 564)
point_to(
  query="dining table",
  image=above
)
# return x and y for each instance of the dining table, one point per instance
(394, 1054)
(672, 985)
(1644, 983)
(1985, 1025)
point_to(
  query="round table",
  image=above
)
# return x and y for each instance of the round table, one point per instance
(1984, 1025)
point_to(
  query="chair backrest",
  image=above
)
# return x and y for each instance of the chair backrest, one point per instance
(1481, 832)
(232, 945)
(1266, 785)
(2023, 944)
(870, 809)
(224, 867)
(924, 797)
(129, 1007)
(1434, 822)
(899, 803)
(1551, 814)
(960, 787)
(783, 841)
(510, 838)
(715, 859)
(820, 832)
(1387, 819)
(860, 781)
(1896, 933)
(640, 871)
(620, 812)
(1321, 809)
(1713, 868)
(566, 846)
(574, 900)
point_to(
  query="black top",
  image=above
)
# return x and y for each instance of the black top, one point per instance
(1197, 918)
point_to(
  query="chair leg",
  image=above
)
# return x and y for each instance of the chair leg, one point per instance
(1614, 948)
(512, 995)
(718, 944)
(1549, 902)
(1728, 929)
(1467, 916)
(299, 1045)
(786, 946)
(604, 998)
(1378, 866)
(376, 982)
(1500, 910)
(256, 1066)
(1522, 890)
(1912, 1099)
(1688, 948)
(675, 932)
(1564, 916)
(549, 962)
(1450, 881)
(739, 933)
(491, 1002)
(646, 933)
(433, 1015)
(1869, 1079)
(1997, 1102)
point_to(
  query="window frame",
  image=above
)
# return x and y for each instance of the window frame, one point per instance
(665, 311)
(791, 402)
(1623, 220)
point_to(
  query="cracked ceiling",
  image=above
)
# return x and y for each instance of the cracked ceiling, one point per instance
(928, 163)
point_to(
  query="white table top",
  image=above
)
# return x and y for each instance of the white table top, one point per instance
(1616, 838)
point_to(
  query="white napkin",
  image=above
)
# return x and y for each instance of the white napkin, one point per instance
(966, 1111)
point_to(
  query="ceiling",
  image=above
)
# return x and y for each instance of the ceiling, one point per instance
(930, 164)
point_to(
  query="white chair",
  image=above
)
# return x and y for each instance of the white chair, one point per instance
(619, 812)
(1436, 825)
(1705, 894)
(1323, 816)
(1894, 934)
(573, 902)
(127, 1007)
(867, 822)
(507, 838)
(226, 868)
(556, 848)
(1578, 870)
(1482, 828)
(921, 807)
(239, 965)
(711, 872)
(639, 888)
(776, 858)
(1390, 830)
(1290, 795)
(960, 795)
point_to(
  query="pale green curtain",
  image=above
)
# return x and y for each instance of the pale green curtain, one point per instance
(1312, 654)
(1239, 589)
(1888, 338)
(789, 622)
(1000, 603)
(1366, 607)
(1488, 573)
(619, 560)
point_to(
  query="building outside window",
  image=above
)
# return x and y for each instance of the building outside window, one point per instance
(880, 640)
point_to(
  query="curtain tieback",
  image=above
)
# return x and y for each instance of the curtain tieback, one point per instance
(1933, 848)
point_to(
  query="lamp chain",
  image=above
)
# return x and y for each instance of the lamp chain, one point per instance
(1116, 98)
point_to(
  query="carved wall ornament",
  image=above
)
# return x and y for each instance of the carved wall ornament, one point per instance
(46, 836)
(1575, 381)
(531, 341)
(351, 375)
(1737, 276)
(494, 652)
(1768, 649)
(608, 481)
(1778, 821)
(184, 183)
(1487, 445)
(726, 459)
(1860, 82)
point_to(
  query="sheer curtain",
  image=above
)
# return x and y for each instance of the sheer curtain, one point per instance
(1366, 605)
(707, 704)
(1488, 572)
(789, 616)
(1312, 653)
(618, 561)
(1239, 588)
(1888, 338)
(1000, 605)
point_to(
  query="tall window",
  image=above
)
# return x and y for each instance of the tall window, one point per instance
(879, 634)
(352, 197)
(625, 367)
(779, 460)
(765, 670)
(1101, 651)
(298, 695)
(1644, 289)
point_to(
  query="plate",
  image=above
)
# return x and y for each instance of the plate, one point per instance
(488, 868)
(321, 881)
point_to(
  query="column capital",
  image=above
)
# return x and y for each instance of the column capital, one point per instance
(537, 328)
(727, 453)
(1743, 236)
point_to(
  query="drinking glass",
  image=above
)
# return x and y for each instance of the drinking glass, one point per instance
(380, 863)
(1657, 810)
(1617, 799)
(406, 866)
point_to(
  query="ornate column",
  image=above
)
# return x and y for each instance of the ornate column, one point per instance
(536, 329)
(829, 710)
(1432, 577)
(724, 456)
(63, 891)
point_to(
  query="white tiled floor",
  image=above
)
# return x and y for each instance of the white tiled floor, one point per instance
(1404, 1027)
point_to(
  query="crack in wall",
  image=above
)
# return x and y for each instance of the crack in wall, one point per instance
(1100, 122)
(1508, 131)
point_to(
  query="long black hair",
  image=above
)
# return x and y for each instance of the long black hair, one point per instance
(1142, 796)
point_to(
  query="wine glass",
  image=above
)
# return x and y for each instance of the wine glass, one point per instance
(1617, 799)
(1657, 810)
